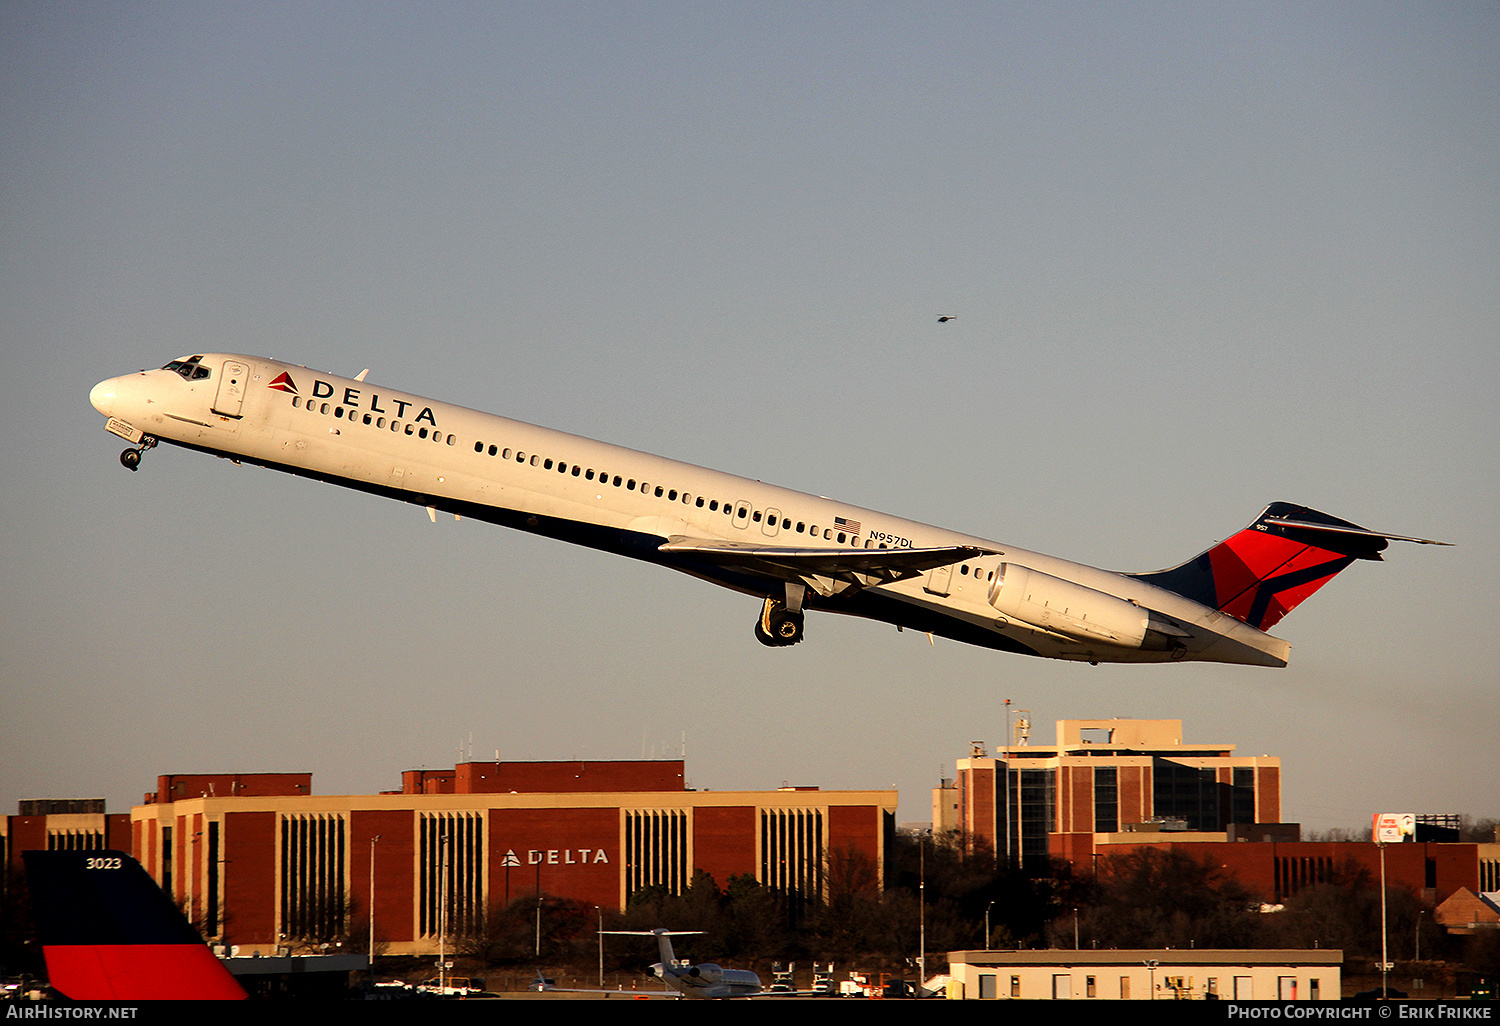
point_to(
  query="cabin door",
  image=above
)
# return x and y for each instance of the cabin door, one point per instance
(231, 388)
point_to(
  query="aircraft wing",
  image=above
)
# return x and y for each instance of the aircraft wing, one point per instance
(852, 567)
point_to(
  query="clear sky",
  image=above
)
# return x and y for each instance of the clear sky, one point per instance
(1203, 256)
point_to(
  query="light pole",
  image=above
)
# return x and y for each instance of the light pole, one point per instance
(1005, 752)
(372, 907)
(922, 902)
(987, 925)
(443, 913)
(1385, 961)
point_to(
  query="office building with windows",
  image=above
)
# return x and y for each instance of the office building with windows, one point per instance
(59, 824)
(1110, 787)
(1106, 781)
(1148, 975)
(262, 863)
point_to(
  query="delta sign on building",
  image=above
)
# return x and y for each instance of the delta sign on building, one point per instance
(261, 863)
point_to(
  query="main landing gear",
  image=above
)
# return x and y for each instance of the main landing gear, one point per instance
(130, 459)
(780, 622)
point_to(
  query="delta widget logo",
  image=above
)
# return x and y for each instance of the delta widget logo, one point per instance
(283, 383)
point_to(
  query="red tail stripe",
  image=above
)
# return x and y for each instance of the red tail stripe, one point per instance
(1243, 564)
(140, 972)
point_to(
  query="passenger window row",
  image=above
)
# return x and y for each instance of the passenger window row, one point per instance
(740, 512)
(354, 416)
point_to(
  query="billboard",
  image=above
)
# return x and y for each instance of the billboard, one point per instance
(1394, 827)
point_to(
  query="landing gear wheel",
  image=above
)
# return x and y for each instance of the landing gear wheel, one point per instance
(778, 626)
(130, 459)
(786, 627)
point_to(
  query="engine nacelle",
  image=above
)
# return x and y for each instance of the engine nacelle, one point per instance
(707, 972)
(1041, 600)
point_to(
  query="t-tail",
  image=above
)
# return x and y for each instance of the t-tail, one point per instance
(109, 933)
(663, 940)
(1265, 571)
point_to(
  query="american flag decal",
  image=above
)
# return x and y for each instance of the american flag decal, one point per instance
(852, 526)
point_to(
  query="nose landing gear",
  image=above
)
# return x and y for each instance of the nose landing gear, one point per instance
(130, 459)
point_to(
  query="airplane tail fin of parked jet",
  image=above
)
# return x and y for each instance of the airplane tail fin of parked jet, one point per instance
(1266, 570)
(109, 933)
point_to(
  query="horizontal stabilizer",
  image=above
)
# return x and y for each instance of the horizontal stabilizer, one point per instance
(652, 933)
(1359, 532)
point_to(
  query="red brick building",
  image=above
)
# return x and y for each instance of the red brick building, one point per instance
(1032, 803)
(67, 824)
(261, 862)
(1108, 787)
(1276, 870)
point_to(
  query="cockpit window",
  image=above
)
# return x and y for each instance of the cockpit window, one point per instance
(189, 368)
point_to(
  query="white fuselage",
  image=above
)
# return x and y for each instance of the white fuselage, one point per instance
(462, 461)
(708, 980)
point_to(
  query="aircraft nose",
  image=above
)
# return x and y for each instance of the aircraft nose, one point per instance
(103, 395)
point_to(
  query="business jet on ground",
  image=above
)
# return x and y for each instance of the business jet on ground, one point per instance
(701, 980)
(792, 550)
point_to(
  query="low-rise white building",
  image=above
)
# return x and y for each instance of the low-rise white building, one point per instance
(1241, 974)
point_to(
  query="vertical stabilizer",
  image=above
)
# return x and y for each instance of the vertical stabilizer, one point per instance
(109, 933)
(1266, 570)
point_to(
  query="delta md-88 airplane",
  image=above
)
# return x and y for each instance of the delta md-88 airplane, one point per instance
(792, 550)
